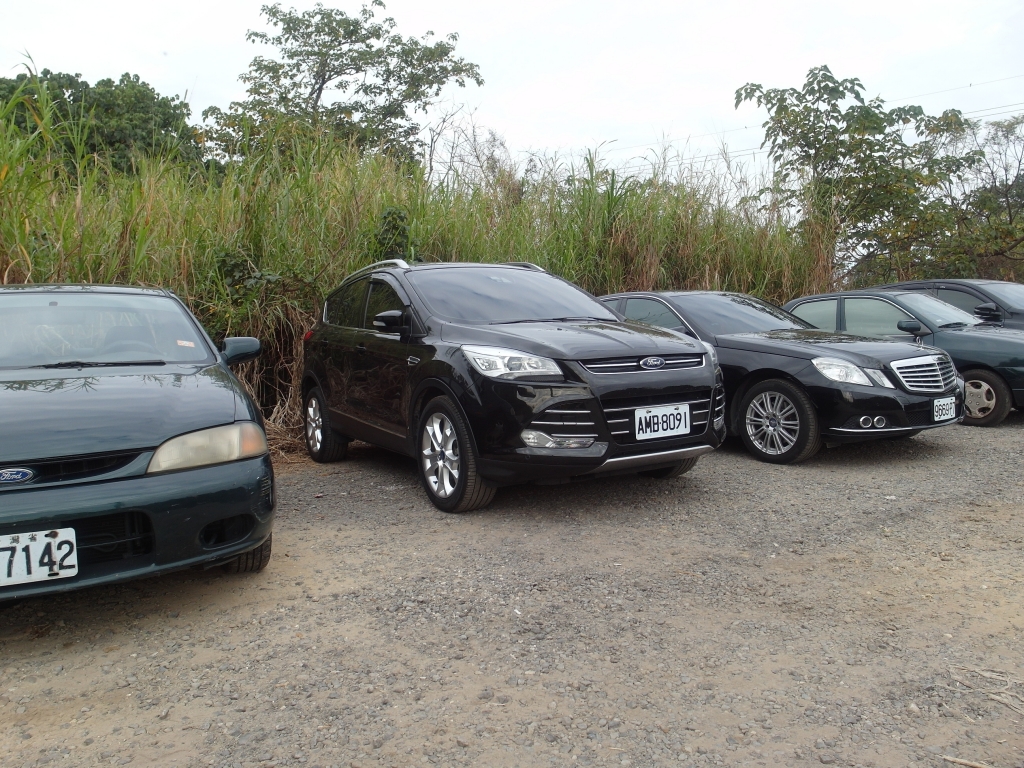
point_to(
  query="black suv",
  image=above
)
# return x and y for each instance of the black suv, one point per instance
(492, 375)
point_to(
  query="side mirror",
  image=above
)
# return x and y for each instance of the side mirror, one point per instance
(240, 349)
(988, 312)
(909, 326)
(391, 321)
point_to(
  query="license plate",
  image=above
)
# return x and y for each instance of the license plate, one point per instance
(944, 409)
(37, 556)
(666, 421)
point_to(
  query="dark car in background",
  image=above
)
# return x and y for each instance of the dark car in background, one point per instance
(791, 387)
(990, 358)
(491, 375)
(127, 446)
(993, 301)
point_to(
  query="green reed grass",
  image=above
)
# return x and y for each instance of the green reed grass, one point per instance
(254, 249)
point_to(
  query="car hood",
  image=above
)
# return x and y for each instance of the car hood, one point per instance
(576, 340)
(808, 344)
(995, 333)
(73, 412)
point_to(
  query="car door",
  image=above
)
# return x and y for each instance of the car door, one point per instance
(821, 313)
(869, 316)
(343, 317)
(379, 393)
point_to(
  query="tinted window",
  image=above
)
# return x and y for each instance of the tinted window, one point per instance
(820, 314)
(652, 312)
(503, 295)
(382, 299)
(48, 328)
(960, 299)
(874, 317)
(937, 313)
(719, 314)
(345, 307)
(1011, 294)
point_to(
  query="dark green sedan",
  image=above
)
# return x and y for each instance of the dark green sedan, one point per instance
(990, 358)
(127, 446)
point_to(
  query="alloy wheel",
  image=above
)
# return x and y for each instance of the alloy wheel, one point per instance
(314, 425)
(979, 398)
(440, 448)
(773, 423)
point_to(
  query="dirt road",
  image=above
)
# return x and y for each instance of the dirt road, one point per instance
(861, 609)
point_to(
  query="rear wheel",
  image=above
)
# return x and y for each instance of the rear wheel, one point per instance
(447, 465)
(253, 561)
(322, 443)
(987, 398)
(666, 473)
(779, 423)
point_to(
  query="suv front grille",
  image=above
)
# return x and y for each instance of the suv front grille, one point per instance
(618, 412)
(632, 364)
(574, 419)
(930, 373)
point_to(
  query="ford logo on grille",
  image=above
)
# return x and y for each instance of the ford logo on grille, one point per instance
(11, 476)
(652, 363)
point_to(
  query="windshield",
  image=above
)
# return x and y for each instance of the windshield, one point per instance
(503, 295)
(935, 312)
(720, 314)
(62, 329)
(1011, 294)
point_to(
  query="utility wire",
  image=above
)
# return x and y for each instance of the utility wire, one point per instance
(959, 88)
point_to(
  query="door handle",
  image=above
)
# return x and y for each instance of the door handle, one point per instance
(360, 348)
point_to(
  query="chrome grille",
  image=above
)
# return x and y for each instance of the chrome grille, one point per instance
(632, 364)
(574, 419)
(618, 412)
(719, 403)
(930, 373)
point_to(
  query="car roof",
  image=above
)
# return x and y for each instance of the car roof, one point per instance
(85, 288)
(948, 280)
(674, 293)
(879, 292)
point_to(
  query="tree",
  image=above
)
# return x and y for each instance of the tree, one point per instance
(114, 119)
(353, 75)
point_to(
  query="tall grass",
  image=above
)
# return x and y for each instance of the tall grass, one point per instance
(254, 249)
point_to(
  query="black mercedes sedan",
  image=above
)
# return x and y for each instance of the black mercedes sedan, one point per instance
(495, 374)
(790, 387)
(993, 301)
(989, 357)
(127, 446)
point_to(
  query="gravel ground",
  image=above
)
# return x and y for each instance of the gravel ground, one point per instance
(861, 609)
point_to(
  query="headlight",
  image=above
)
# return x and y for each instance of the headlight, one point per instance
(509, 363)
(879, 378)
(242, 440)
(841, 370)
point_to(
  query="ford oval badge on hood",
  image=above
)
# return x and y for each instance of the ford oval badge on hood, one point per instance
(10, 476)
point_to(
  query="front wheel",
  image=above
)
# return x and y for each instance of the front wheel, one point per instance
(987, 398)
(253, 561)
(447, 465)
(779, 423)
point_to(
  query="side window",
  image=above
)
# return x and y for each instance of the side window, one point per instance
(652, 312)
(612, 303)
(382, 298)
(345, 307)
(874, 317)
(960, 299)
(820, 314)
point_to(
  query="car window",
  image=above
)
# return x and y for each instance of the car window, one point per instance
(503, 295)
(1011, 294)
(652, 312)
(717, 314)
(50, 328)
(382, 299)
(874, 317)
(960, 299)
(345, 306)
(821, 314)
(937, 313)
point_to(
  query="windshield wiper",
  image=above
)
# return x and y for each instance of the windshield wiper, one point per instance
(94, 364)
(552, 320)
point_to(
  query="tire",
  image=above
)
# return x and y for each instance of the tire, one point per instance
(322, 443)
(452, 482)
(253, 561)
(778, 423)
(667, 473)
(987, 398)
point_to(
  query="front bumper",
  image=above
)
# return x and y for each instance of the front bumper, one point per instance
(840, 409)
(147, 525)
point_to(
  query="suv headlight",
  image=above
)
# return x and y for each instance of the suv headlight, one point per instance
(241, 440)
(841, 370)
(499, 363)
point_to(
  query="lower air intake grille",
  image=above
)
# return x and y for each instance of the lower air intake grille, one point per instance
(573, 419)
(618, 412)
(931, 373)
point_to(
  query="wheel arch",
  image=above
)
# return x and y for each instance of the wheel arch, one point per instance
(426, 391)
(751, 379)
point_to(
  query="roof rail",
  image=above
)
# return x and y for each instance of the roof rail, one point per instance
(400, 263)
(526, 265)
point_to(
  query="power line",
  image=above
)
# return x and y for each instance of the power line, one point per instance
(959, 88)
(989, 109)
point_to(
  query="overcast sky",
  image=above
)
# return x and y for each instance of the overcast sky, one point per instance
(568, 75)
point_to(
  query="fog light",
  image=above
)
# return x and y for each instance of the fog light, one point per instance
(879, 421)
(865, 421)
(536, 439)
